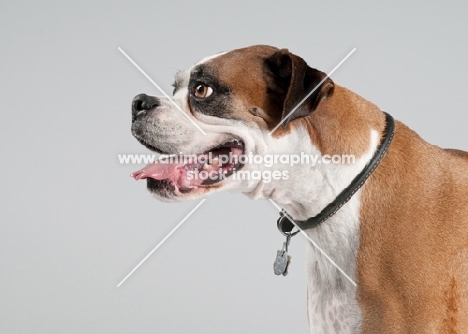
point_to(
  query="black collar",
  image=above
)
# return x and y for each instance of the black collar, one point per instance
(284, 224)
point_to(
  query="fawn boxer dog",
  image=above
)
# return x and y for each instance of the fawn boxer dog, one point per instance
(401, 233)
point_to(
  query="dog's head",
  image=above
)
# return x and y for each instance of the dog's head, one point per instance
(236, 98)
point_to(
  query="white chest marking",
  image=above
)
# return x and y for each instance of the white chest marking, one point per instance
(332, 307)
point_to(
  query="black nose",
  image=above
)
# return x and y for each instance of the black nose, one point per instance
(141, 103)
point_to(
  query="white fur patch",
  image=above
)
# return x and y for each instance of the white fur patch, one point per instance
(204, 60)
(332, 307)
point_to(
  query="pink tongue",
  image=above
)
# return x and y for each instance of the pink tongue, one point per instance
(159, 171)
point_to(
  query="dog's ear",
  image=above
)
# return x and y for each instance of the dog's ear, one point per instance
(290, 80)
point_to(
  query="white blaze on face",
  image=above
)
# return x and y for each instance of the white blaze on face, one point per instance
(206, 59)
(181, 99)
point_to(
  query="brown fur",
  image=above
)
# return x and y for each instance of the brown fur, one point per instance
(342, 124)
(414, 224)
(413, 259)
(245, 67)
(459, 153)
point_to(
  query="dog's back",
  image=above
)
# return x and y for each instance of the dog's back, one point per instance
(457, 153)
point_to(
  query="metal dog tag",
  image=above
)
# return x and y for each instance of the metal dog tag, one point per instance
(280, 267)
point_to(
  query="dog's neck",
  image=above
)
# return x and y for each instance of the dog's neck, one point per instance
(334, 130)
(310, 187)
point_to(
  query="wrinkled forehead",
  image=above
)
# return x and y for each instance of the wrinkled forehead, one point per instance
(228, 67)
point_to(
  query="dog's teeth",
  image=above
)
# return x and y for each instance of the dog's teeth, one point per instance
(205, 166)
(215, 161)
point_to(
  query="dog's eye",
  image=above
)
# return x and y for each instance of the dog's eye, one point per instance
(202, 91)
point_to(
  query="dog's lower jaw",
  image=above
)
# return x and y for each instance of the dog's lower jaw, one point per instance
(257, 191)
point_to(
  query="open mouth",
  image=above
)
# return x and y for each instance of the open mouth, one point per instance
(188, 172)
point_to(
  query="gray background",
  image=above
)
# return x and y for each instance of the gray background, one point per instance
(73, 223)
